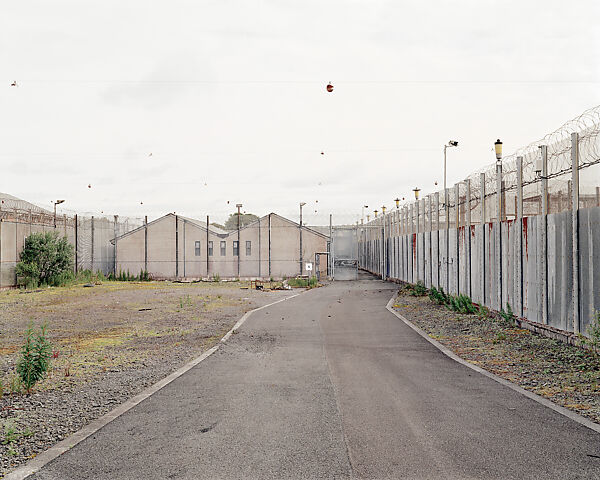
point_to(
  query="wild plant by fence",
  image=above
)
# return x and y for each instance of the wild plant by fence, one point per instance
(519, 232)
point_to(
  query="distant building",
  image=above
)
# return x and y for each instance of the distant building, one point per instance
(173, 246)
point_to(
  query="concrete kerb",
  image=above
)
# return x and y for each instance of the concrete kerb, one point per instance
(547, 403)
(47, 456)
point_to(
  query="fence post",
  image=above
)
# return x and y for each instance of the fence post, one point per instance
(543, 227)
(416, 239)
(447, 252)
(519, 232)
(482, 275)
(575, 216)
(468, 237)
(115, 233)
(76, 245)
(457, 236)
(430, 233)
(92, 254)
(499, 231)
(383, 247)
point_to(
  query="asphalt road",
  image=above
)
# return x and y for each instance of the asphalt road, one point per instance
(331, 385)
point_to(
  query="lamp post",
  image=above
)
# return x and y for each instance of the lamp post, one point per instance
(397, 200)
(58, 202)
(416, 190)
(375, 212)
(363, 211)
(383, 208)
(450, 144)
(239, 206)
(301, 259)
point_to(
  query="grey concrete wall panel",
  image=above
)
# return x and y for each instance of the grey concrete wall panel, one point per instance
(443, 259)
(560, 270)
(589, 264)
(476, 259)
(532, 287)
(427, 262)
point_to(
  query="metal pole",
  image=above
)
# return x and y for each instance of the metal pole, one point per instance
(543, 250)
(239, 206)
(482, 274)
(259, 249)
(176, 247)
(445, 147)
(469, 289)
(456, 259)
(499, 232)
(270, 246)
(575, 215)
(116, 232)
(447, 232)
(76, 245)
(330, 256)
(519, 232)
(207, 247)
(184, 244)
(301, 269)
(145, 243)
(92, 265)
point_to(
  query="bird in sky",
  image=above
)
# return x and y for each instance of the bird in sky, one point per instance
(14, 84)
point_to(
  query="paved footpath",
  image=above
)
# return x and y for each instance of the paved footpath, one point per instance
(331, 385)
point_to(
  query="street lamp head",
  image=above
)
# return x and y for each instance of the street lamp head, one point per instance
(58, 202)
(416, 190)
(453, 143)
(238, 205)
(375, 212)
(302, 204)
(383, 210)
(498, 148)
(397, 200)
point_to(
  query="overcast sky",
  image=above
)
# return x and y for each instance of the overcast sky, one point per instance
(194, 106)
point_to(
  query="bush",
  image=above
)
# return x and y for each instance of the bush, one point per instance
(418, 289)
(438, 296)
(46, 259)
(508, 315)
(34, 360)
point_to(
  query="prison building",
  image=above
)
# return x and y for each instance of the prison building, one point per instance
(177, 247)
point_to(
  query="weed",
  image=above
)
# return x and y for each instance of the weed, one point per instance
(418, 289)
(185, 302)
(35, 357)
(438, 296)
(500, 337)
(483, 312)
(216, 277)
(11, 434)
(593, 330)
(15, 385)
(508, 315)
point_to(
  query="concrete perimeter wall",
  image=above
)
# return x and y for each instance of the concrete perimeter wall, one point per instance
(500, 263)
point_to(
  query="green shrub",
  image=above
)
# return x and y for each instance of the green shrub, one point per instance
(45, 260)
(438, 296)
(483, 312)
(418, 289)
(216, 277)
(593, 330)
(508, 315)
(461, 304)
(34, 360)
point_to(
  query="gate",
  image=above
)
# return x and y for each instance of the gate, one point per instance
(344, 253)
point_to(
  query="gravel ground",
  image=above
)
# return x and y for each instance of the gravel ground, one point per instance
(565, 374)
(110, 342)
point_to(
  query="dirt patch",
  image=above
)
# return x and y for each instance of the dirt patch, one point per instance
(109, 343)
(567, 375)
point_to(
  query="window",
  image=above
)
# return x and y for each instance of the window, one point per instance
(223, 248)
(197, 248)
(236, 248)
(248, 248)
(210, 248)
